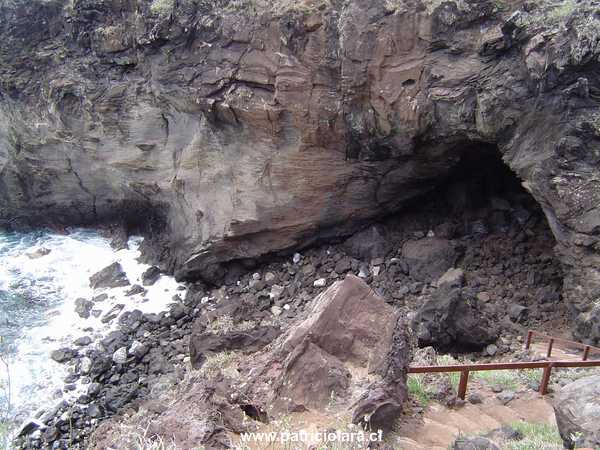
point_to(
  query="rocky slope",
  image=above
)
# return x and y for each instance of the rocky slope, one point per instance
(232, 129)
(502, 264)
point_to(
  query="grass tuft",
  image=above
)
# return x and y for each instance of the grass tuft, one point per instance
(536, 436)
(417, 388)
(503, 378)
(162, 7)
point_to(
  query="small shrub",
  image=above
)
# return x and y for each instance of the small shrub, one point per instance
(162, 7)
(224, 324)
(223, 362)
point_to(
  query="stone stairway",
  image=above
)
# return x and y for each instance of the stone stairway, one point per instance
(441, 426)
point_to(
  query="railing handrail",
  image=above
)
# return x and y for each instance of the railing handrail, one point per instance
(464, 369)
(502, 366)
(587, 349)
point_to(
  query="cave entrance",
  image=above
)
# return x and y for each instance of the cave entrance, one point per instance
(505, 246)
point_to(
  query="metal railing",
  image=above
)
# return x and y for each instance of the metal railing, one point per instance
(547, 366)
(587, 349)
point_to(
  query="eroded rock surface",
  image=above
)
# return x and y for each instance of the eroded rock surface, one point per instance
(577, 409)
(229, 132)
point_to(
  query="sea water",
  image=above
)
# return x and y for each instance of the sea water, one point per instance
(41, 275)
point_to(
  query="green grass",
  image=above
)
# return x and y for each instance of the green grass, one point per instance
(506, 379)
(418, 389)
(536, 436)
(162, 7)
(448, 360)
(530, 375)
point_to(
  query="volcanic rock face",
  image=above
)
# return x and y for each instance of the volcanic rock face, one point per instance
(230, 130)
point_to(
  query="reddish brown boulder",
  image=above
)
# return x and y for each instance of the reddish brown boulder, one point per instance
(349, 339)
(349, 321)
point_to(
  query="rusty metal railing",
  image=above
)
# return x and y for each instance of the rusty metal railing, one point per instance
(547, 366)
(587, 349)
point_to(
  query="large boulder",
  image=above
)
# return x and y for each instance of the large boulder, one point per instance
(150, 276)
(428, 259)
(450, 318)
(577, 410)
(348, 329)
(349, 321)
(110, 277)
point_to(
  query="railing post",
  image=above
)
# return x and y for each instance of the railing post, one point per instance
(586, 353)
(528, 339)
(462, 385)
(550, 344)
(545, 379)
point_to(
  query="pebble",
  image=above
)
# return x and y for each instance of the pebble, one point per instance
(276, 291)
(491, 349)
(506, 397)
(85, 365)
(120, 356)
(483, 297)
(475, 398)
(321, 282)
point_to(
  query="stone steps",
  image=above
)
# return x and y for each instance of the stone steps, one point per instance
(441, 426)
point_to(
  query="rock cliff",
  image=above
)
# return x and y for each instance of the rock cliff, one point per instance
(230, 129)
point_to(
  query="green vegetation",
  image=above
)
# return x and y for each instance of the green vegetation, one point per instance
(162, 7)
(223, 362)
(417, 388)
(561, 10)
(278, 7)
(225, 324)
(454, 377)
(530, 376)
(506, 379)
(536, 436)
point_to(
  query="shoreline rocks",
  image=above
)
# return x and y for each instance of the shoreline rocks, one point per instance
(110, 277)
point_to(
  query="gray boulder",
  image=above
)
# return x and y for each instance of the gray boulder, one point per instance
(452, 278)
(150, 276)
(577, 410)
(428, 259)
(110, 277)
(63, 355)
(450, 319)
(83, 307)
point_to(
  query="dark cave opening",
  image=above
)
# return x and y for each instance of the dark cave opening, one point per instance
(498, 235)
(479, 183)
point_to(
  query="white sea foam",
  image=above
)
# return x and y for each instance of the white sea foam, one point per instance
(59, 278)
